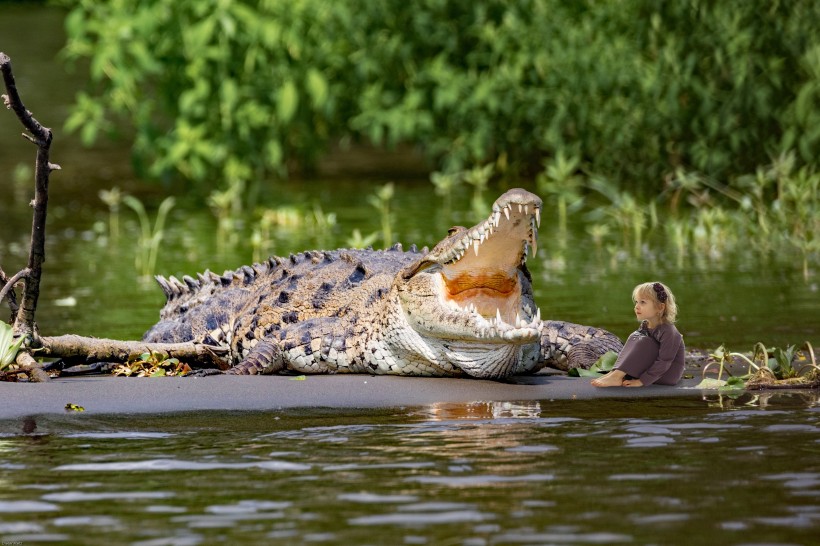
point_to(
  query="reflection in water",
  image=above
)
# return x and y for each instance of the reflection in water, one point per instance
(482, 473)
(766, 399)
(483, 410)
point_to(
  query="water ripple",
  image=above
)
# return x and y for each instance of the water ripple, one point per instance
(650, 441)
(373, 498)
(93, 521)
(174, 464)
(22, 507)
(245, 506)
(562, 538)
(360, 466)
(642, 477)
(423, 518)
(123, 435)
(796, 480)
(466, 481)
(79, 496)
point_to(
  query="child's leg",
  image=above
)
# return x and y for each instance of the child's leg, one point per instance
(613, 379)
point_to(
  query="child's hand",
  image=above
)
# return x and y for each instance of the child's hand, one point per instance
(632, 383)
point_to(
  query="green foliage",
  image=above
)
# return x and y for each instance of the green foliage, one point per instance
(773, 213)
(150, 237)
(560, 181)
(112, 198)
(151, 364)
(8, 345)
(766, 368)
(604, 364)
(216, 90)
(380, 200)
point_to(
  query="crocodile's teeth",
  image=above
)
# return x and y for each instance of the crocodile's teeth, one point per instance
(518, 323)
(538, 217)
(507, 212)
(526, 209)
(496, 218)
(498, 315)
(534, 244)
(538, 314)
(476, 244)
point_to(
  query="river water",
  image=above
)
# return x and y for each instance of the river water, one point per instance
(670, 471)
(697, 469)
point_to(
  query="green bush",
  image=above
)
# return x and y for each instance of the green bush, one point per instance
(225, 90)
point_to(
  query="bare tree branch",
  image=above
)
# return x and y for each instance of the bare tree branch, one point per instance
(8, 290)
(90, 350)
(30, 366)
(41, 136)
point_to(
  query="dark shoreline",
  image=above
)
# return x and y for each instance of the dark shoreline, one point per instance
(105, 394)
(118, 395)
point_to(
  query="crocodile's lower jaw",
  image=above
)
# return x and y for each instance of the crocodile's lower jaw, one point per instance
(485, 361)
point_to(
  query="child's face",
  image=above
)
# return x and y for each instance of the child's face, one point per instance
(647, 309)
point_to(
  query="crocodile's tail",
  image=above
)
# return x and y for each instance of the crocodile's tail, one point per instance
(565, 345)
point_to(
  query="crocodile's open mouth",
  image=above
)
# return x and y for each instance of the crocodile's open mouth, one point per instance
(478, 272)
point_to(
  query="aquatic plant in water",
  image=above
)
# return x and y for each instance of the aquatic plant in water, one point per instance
(380, 200)
(112, 198)
(559, 181)
(767, 368)
(150, 237)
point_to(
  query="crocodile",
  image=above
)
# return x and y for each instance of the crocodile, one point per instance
(463, 309)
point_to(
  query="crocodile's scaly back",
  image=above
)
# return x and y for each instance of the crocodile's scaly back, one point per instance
(238, 308)
(464, 308)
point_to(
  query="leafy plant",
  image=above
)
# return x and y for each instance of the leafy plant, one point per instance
(637, 89)
(479, 177)
(357, 240)
(604, 364)
(152, 365)
(8, 345)
(559, 180)
(380, 200)
(766, 368)
(150, 237)
(445, 183)
(113, 198)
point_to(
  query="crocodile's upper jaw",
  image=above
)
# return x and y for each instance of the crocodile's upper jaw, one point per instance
(473, 286)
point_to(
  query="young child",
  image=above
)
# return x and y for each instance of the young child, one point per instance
(655, 352)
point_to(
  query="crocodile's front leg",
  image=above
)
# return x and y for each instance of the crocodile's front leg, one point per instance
(565, 345)
(312, 346)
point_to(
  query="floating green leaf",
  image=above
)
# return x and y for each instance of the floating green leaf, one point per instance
(710, 383)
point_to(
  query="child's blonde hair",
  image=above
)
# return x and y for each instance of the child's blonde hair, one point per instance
(657, 292)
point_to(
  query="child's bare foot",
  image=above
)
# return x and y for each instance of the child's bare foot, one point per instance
(633, 383)
(615, 378)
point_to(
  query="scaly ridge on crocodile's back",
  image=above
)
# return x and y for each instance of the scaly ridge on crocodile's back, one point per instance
(463, 308)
